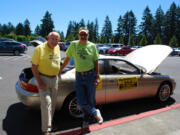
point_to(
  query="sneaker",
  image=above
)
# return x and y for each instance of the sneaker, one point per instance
(98, 117)
(85, 124)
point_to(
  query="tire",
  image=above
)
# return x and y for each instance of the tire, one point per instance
(164, 92)
(71, 107)
(16, 52)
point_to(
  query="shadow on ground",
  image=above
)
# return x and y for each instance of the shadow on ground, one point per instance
(21, 120)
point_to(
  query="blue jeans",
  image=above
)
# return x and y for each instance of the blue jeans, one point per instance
(86, 94)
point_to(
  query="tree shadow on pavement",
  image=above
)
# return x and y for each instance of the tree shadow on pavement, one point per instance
(21, 120)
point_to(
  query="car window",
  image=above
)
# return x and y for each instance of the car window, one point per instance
(120, 67)
(101, 66)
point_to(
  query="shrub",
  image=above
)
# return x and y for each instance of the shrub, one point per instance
(30, 38)
(12, 36)
(21, 38)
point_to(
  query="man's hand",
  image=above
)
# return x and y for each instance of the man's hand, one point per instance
(42, 86)
(97, 80)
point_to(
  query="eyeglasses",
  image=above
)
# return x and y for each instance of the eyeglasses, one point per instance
(83, 35)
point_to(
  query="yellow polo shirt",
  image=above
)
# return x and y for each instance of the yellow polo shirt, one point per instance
(47, 59)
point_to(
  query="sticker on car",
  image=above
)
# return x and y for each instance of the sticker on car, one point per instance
(126, 83)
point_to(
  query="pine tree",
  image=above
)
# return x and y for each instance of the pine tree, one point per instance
(96, 28)
(147, 25)
(159, 22)
(129, 26)
(19, 29)
(170, 23)
(143, 41)
(173, 42)
(157, 39)
(106, 33)
(27, 29)
(119, 31)
(62, 39)
(47, 25)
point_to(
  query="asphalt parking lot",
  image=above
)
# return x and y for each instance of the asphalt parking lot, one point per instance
(16, 119)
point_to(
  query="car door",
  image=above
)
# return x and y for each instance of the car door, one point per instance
(123, 81)
(2, 47)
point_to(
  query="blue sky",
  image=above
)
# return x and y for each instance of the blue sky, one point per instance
(63, 11)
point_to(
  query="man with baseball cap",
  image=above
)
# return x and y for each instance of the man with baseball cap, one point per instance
(86, 58)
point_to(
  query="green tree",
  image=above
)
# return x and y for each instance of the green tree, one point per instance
(4, 30)
(69, 30)
(47, 25)
(173, 42)
(27, 29)
(62, 39)
(10, 28)
(121, 40)
(159, 22)
(90, 27)
(107, 30)
(143, 41)
(132, 40)
(96, 29)
(170, 23)
(157, 39)
(37, 30)
(129, 26)
(147, 25)
(119, 30)
(82, 23)
(178, 24)
(19, 29)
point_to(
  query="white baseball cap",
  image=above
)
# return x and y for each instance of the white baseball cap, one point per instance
(82, 29)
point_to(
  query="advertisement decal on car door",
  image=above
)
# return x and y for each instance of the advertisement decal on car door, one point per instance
(126, 83)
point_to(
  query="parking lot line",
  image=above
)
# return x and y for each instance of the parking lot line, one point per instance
(119, 121)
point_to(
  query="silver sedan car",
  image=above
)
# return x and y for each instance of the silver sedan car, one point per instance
(127, 78)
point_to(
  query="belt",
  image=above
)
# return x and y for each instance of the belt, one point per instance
(86, 72)
(49, 76)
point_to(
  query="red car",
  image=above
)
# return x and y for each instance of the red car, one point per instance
(120, 51)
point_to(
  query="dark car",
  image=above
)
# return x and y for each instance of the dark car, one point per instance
(12, 47)
(65, 46)
(6, 39)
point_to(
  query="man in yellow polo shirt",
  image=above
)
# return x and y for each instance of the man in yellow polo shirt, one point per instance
(45, 68)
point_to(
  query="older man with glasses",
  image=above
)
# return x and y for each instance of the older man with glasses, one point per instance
(86, 57)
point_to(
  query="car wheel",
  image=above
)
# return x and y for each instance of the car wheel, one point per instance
(72, 108)
(164, 92)
(16, 52)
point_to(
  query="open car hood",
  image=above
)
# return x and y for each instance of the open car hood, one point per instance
(149, 57)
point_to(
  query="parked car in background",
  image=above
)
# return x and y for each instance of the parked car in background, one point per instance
(6, 39)
(61, 45)
(12, 47)
(124, 50)
(65, 46)
(114, 51)
(39, 40)
(103, 49)
(135, 47)
(121, 79)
